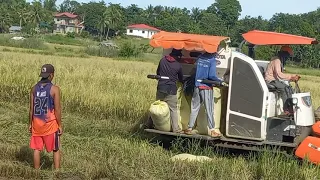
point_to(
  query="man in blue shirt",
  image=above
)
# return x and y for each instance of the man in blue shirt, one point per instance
(203, 93)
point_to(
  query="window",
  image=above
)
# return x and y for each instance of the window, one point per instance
(142, 32)
(131, 31)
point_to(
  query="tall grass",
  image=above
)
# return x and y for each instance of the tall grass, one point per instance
(103, 100)
(29, 43)
(303, 71)
(67, 40)
(101, 51)
(70, 46)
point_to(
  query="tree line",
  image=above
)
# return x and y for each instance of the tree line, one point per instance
(220, 18)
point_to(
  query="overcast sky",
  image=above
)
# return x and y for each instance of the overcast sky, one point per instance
(265, 8)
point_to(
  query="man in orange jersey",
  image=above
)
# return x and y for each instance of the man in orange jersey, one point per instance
(45, 117)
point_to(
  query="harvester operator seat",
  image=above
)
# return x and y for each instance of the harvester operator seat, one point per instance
(270, 87)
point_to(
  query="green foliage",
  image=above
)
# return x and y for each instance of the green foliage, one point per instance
(291, 23)
(128, 49)
(85, 34)
(144, 47)
(101, 51)
(264, 52)
(69, 6)
(213, 24)
(29, 43)
(93, 11)
(69, 39)
(32, 43)
(228, 10)
(71, 35)
(50, 5)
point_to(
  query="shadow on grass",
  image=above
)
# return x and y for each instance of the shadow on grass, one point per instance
(25, 155)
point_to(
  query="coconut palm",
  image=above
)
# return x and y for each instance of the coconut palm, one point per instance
(37, 13)
(22, 11)
(196, 14)
(112, 16)
(5, 19)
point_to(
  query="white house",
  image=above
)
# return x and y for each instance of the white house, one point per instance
(142, 30)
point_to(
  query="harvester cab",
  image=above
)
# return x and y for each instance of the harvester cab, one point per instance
(303, 111)
(246, 109)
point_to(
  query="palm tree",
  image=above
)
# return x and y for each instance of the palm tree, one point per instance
(112, 16)
(22, 11)
(186, 11)
(5, 19)
(50, 5)
(158, 9)
(196, 14)
(103, 22)
(149, 11)
(37, 13)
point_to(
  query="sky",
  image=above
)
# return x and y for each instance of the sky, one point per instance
(254, 8)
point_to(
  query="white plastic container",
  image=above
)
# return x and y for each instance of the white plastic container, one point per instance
(303, 110)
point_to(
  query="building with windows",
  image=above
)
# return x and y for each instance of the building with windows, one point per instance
(15, 29)
(142, 30)
(66, 22)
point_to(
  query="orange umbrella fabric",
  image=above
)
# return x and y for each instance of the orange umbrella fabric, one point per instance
(190, 42)
(273, 38)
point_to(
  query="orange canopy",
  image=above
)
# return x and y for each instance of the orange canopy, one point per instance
(189, 42)
(273, 38)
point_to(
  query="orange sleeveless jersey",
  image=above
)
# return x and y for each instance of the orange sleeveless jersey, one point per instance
(44, 120)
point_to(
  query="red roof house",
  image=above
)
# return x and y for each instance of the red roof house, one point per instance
(67, 22)
(66, 15)
(142, 30)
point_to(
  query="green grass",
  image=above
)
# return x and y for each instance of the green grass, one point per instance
(28, 43)
(52, 50)
(88, 154)
(104, 101)
(130, 48)
(64, 40)
(303, 71)
(137, 41)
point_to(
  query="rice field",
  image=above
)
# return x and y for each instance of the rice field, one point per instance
(104, 101)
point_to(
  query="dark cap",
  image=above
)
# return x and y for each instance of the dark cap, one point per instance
(46, 70)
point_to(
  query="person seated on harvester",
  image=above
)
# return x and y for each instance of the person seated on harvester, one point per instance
(274, 76)
(284, 53)
(203, 93)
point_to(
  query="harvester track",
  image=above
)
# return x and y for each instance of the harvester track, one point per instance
(229, 143)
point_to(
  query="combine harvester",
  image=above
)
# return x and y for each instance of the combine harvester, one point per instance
(247, 110)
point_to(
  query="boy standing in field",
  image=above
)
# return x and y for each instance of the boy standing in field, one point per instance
(45, 117)
(203, 93)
